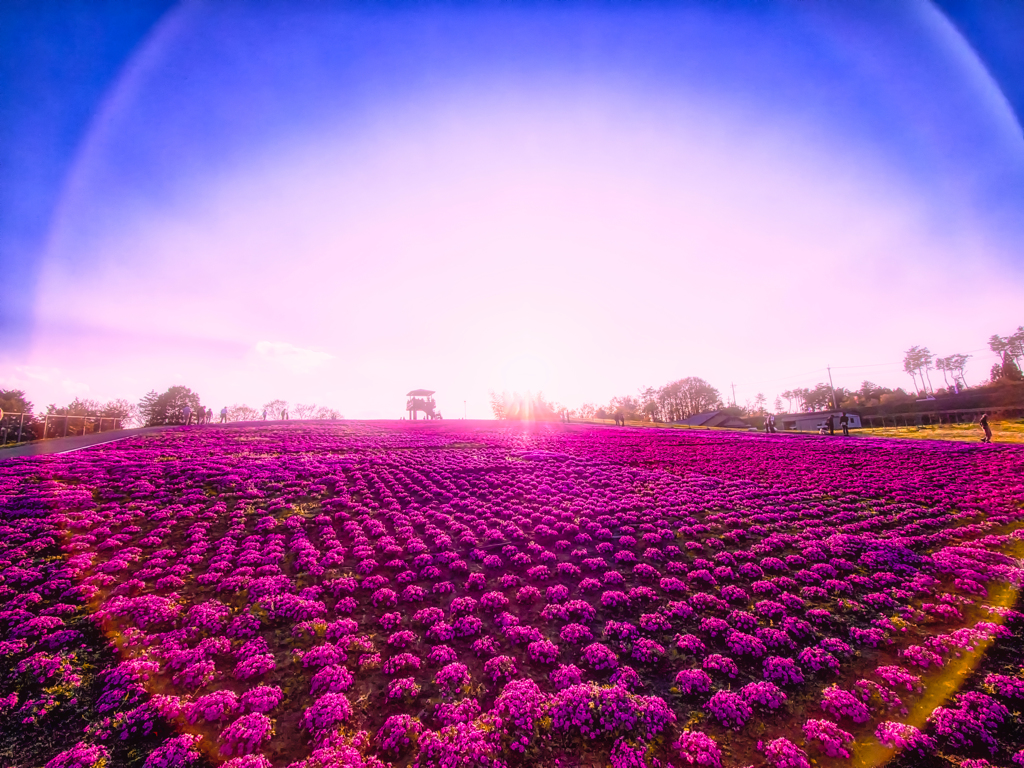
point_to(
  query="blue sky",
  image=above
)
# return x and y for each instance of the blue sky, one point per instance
(334, 202)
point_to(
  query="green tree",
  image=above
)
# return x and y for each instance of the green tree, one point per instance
(157, 410)
(125, 412)
(14, 401)
(916, 362)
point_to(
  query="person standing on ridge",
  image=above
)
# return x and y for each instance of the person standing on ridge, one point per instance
(830, 422)
(983, 421)
(224, 415)
(844, 422)
(186, 413)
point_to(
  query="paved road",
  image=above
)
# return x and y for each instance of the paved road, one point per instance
(68, 444)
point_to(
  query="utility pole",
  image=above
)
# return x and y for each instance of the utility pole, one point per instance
(733, 394)
(835, 406)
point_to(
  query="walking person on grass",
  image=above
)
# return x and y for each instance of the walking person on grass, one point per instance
(983, 421)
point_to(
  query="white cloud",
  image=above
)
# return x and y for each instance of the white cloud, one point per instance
(75, 388)
(288, 355)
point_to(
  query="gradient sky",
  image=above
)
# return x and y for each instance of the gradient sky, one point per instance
(336, 203)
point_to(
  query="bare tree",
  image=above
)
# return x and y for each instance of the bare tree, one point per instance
(275, 408)
(304, 411)
(242, 413)
(498, 404)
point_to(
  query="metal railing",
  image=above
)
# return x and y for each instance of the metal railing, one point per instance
(13, 423)
(950, 416)
(22, 427)
(62, 422)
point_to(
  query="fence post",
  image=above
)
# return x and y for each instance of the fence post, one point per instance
(21, 426)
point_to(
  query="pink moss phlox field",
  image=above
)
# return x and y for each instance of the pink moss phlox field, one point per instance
(319, 594)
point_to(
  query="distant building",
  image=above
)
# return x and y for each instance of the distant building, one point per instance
(812, 422)
(714, 419)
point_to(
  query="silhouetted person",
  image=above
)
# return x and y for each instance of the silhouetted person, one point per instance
(767, 423)
(988, 430)
(264, 414)
(844, 422)
(224, 415)
(830, 422)
(187, 413)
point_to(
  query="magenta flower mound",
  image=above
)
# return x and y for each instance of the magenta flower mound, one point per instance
(398, 733)
(500, 668)
(691, 644)
(403, 687)
(334, 679)
(474, 744)
(220, 705)
(691, 681)
(176, 752)
(442, 654)
(247, 761)
(462, 711)
(520, 706)
(716, 662)
(698, 749)
(783, 753)
(327, 712)
(783, 671)
(730, 709)
(816, 659)
(576, 634)
(598, 657)
(246, 734)
(902, 736)
(81, 755)
(543, 651)
(833, 738)
(763, 694)
(262, 698)
(1005, 686)
(452, 678)
(975, 718)
(647, 651)
(593, 710)
(566, 675)
(626, 677)
(840, 703)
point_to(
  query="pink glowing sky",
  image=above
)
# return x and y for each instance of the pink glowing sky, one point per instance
(577, 229)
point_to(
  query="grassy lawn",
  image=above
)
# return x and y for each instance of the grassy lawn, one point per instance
(1002, 432)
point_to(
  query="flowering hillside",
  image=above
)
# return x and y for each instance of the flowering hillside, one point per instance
(450, 595)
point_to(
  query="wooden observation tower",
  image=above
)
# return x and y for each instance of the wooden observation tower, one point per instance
(422, 400)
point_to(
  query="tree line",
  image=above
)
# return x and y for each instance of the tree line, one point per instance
(154, 409)
(688, 396)
(675, 401)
